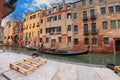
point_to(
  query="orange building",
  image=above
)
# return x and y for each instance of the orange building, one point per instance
(17, 34)
(13, 33)
(32, 28)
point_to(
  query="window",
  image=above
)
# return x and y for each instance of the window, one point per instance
(103, 10)
(38, 14)
(84, 14)
(104, 24)
(118, 23)
(30, 26)
(33, 25)
(113, 24)
(92, 12)
(76, 41)
(111, 9)
(30, 17)
(37, 24)
(75, 28)
(49, 12)
(59, 17)
(106, 40)
(34, 16)
(41, 31)
(47, 30)
(48, 19)
(41, 20)
(93, 27)
(40, 39)
(117, 8)
(101, 0)
(69, 39)
(47, 40)
(90, 1)
(74, 5)
(61, 9)
(75, 15)
(54, 18)
(69, 15)
(29, 35)
(86, 41)
(67, 7)
(60, 39)
(69, 27)
(83, 3)
(51, 19)
(59, 29)
(94, 41)
(85, 27)
(54, 9)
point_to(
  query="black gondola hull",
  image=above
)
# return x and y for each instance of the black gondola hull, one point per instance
(69, 53)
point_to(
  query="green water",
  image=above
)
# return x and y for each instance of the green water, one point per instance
(91, 58)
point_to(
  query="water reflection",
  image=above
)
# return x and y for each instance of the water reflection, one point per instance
(92, 58)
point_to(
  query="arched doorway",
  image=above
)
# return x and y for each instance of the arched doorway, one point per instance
(117, 45)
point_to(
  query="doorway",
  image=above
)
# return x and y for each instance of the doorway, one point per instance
(53, 43)
(117, 45)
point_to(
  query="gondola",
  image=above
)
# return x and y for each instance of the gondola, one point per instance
(59, 52)
(30, 48)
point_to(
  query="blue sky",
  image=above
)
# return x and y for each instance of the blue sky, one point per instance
(25, 6)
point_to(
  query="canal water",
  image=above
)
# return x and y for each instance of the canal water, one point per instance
(91, 58)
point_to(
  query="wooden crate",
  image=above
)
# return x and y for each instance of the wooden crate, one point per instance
(27, 65)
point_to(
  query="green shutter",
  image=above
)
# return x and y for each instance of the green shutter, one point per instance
(118, 23)
(93, 27)
(74, 5)
(113, 24)
(85, 27)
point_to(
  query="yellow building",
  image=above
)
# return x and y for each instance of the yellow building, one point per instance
(8, 33)
(32, 28)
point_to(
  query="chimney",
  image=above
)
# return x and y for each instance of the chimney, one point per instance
(63, 1)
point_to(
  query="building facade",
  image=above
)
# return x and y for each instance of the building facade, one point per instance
(17, 34)
(1, 35)
(31, 28)
(101, 24)
(74, 26)
(89, 22)
(13, 33)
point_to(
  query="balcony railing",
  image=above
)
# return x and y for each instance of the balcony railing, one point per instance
(95, 31)
(93, 17)
(86, 32)
(85, 18)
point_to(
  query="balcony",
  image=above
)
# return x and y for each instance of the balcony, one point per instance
(86, 32)
(9, 7)
(95, 31)
(85, 18)
(93, 17)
